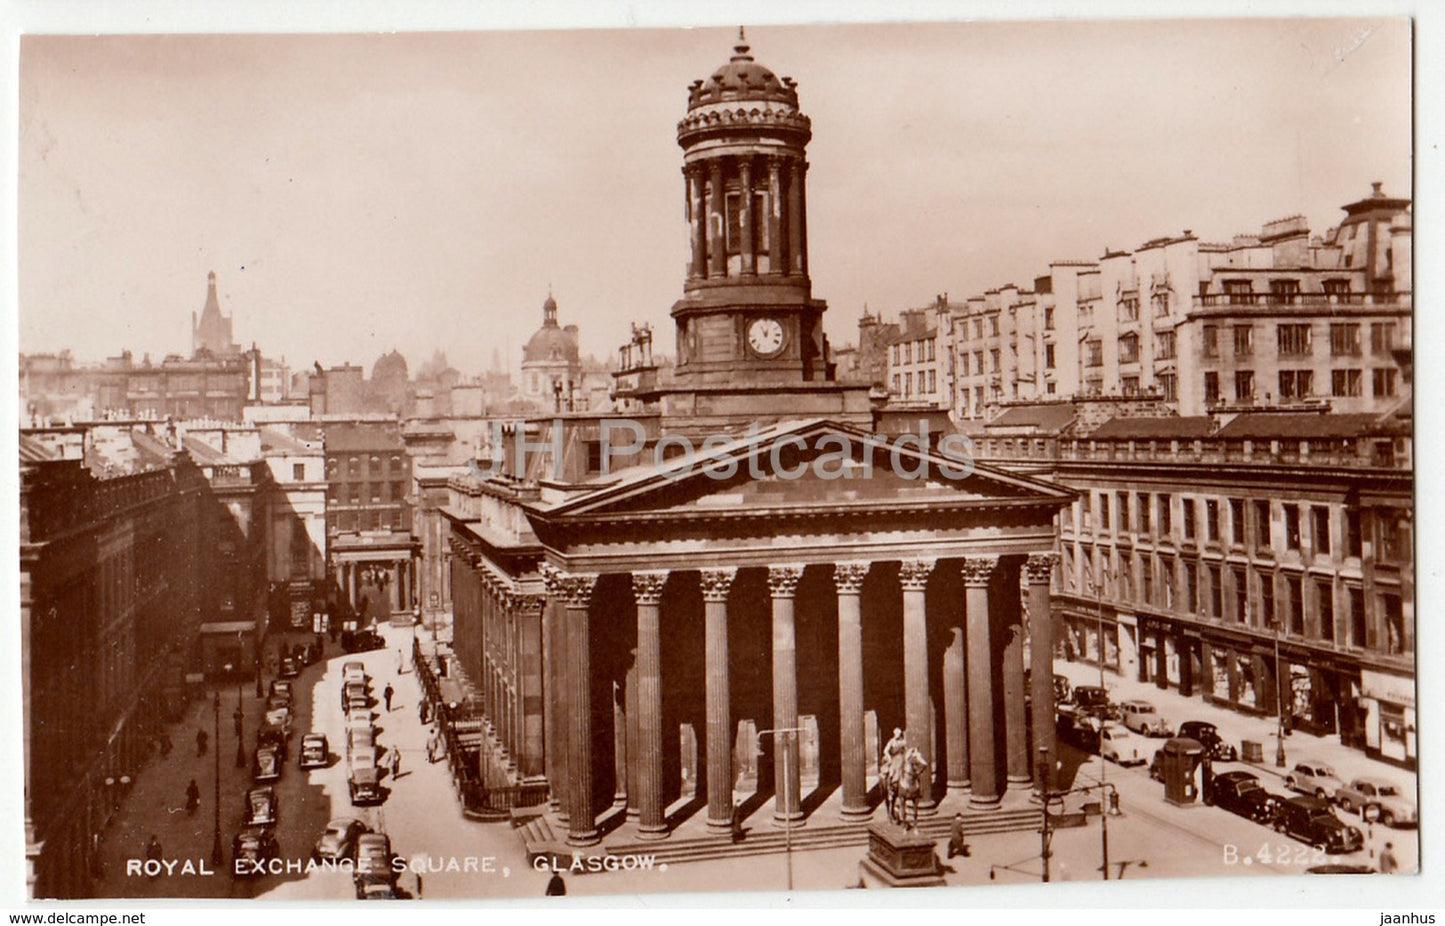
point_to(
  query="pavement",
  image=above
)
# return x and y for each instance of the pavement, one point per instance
(450, 857)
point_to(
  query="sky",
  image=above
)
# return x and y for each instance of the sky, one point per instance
(425, 191)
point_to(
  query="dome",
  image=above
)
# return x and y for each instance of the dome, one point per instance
(742, 78)
(551, 342)
(390, 366)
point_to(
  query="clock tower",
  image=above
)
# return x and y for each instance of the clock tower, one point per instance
(748, 327)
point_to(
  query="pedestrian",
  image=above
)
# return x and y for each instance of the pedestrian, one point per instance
(956, 843)
(737, 821)
(238, 719)
(1388, 863)
(395, 762)
(166, 745)
(193, 797)
(153, 853)
(400, 663)
(556, 887)
(431, 749)
(386, 694)
(202, 738)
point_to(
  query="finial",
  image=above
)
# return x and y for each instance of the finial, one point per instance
(740, 50)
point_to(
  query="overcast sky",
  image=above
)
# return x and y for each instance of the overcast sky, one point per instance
(424, 191)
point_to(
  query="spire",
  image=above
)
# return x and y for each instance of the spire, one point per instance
(741, 49)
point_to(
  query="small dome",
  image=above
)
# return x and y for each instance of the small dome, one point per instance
(742, 78)
(551, 342)
(390, 366)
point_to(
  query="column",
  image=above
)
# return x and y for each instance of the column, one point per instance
(529, 619)
(795, 217)
(1038, 570)
(913, 577)
(745, 215)
(716, 215)
(697, 222)
(647, 590)
(1015, 710)
(787, 804)
(803, 217)
(955, 703)
(983, 774)
(582, 819)
(558, 773)
(848, 579)
(629, 743)
(775, 217)
(715, 586)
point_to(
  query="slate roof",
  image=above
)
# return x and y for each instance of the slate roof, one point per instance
(1160, 428)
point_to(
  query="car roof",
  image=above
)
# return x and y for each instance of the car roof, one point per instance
(1137, 702)
(314, 738)
(342, 823)
(1237, 775)
(378, 839)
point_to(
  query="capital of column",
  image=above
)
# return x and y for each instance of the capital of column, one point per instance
(576, 588)
(716, 583)
(913, 574)
(1039, 567)
(783, 580)
(551, 580)
(848, 577)
(528, 604)
(979, 570)
(647, 586)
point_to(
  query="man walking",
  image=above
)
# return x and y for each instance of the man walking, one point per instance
(956, 843)
(1388, 863)
(395, 763)
(386, 694)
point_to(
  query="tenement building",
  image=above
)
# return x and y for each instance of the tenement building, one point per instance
(1281, 316)
(644, 624)
(1260, 560)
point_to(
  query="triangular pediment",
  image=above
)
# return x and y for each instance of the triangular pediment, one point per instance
(814, 466)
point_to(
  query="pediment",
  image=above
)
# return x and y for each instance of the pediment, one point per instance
(813, 466)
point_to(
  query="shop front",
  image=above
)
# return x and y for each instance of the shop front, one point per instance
(1388, 702)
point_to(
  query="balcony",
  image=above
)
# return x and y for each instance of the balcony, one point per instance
(1307, 300)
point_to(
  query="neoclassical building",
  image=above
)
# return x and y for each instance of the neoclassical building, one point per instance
(642, 621)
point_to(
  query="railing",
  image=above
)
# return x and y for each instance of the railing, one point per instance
(1216, 300)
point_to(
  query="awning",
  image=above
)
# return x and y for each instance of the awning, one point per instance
(228, 627)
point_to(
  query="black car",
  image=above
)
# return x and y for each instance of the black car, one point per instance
(1094, 701)
(361, 641)
(1241, 793)
(1208, 736)
(1079, 732)
(1312, 820)
(251, 850)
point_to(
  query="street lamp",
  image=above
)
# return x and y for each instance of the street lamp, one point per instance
(1279, 700)
(216, 844)
(785, 750)
(1104, 786)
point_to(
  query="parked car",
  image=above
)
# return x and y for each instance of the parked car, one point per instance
(1208, 736)
(252, 846)
(353, 695)
(1079, 732)
(373, 856)
(289, 667)
(1241, 793)
(272, 737)
(1094, 701)
(363, 783)
(1312, 820)
(338, 840)
(281, 686)
(280, 717)
(279, 702)
(315, 750)
(260, 807)
(361, 641)
(1391, 807)
(266, 766)
(1311, 777)
(353, 671)
(358, 715)
(372, 887)
(1142, 717)
(360, 741)
(1117, 744)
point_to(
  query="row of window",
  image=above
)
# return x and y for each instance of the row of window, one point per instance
(1297, 339)
(1254, 597)
(358, 466)
(978, 368)
(358, 493)
(927, 383)
(978, 322)
(907, 351)
(368, 520)
(1300, 384)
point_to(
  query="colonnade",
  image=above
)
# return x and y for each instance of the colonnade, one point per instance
(780, 178)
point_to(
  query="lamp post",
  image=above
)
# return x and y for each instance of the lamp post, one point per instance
(1281, 686)
(216, 844)
(1105, 573)
(240, 728)
(784, 749)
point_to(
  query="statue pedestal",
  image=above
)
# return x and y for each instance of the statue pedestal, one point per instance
(899, 858)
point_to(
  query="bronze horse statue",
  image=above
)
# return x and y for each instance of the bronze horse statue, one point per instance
(902, 784)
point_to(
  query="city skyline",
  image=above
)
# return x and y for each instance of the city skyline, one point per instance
(331, 183)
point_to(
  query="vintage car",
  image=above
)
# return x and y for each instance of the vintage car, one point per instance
(1241, 793)
(1312, 820)
(1207, 734)
(363, 783)
(363, 741)
(1094, 701)
(1311, 777)
(353, 671)
(1378, 798)
(266, 766)
(353, 695)
(273, 737)
(374, 857)
(361, 641)
(279, 717)
(1142, 717)
(1079, 732)
(260, 807)
(279, 702)
(373, 887)
(251, 847)
(338, 840)
(1117, 744)
(290, 667)
(315, 751)
(282, 687)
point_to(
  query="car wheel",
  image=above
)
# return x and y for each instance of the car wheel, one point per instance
(1279, 826)
(1320, 793)
(1386, 818)
(1289, 783)
(1348, 806)
(1318, 847)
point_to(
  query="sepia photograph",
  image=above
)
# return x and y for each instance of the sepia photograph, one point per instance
(612, 459)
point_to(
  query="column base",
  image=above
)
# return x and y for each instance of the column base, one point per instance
(957, 787)
(583, 840)
(719, 826)
(856, 814)
(634, 813)
(981, 802)
(1021, 780)
(785, 820)
(653, 834)
(929, 809)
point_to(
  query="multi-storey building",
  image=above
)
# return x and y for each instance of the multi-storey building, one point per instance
(1277, 317)
(917, 354)
(296, 562)
(1261, 560)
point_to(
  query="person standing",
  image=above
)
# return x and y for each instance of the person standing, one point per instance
(556, 887)
(386, 695)
(193, 797)
(202, 738)
(395, 763)
(956, 843)
(1388, 863)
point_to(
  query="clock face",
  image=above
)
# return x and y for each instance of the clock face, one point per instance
(765, 337)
